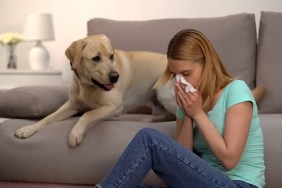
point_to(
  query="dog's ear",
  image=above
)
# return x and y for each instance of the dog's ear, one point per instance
(74, 51)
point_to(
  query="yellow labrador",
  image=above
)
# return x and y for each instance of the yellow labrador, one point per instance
(108, 81)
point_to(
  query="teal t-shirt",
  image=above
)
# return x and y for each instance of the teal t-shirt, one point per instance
(251, 166)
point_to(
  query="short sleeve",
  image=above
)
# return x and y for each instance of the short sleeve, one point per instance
(238, 92)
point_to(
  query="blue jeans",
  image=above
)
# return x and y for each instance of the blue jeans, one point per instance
(177, 166)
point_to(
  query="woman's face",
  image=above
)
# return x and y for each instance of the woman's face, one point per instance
(190, 70)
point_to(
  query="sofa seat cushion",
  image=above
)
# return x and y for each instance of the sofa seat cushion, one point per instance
(272, 128)
(269, 65)
(233, 36)
(46, 156)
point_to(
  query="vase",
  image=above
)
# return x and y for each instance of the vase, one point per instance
(12, 58)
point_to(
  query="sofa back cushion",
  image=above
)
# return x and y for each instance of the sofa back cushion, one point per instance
(269, 72)
(234, 37)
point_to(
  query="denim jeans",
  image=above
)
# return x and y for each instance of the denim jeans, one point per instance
(177, 166)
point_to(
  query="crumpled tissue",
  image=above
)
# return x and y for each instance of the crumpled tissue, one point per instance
(188, 86)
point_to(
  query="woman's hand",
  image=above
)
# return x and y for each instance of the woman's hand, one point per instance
(191, 103)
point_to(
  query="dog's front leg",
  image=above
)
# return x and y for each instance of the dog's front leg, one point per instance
(65, 111)
(93, 116)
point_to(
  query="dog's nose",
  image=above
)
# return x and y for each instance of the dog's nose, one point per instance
(114, 77)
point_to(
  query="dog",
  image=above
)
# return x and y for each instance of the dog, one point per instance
(107, 80)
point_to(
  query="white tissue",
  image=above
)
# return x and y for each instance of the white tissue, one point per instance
(181, 79)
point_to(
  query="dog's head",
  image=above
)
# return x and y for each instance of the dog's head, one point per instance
(92, 59)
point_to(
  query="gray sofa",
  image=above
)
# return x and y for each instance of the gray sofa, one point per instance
(46, 156)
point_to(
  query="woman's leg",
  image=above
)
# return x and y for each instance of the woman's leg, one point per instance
(174, 164)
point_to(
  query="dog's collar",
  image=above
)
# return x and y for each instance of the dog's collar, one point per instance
(76, 73)
(74, 70)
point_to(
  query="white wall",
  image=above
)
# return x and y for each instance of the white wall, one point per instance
(70, 17)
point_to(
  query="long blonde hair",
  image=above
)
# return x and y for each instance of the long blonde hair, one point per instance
(190, 44)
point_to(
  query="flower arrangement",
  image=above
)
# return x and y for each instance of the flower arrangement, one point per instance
(11, 40)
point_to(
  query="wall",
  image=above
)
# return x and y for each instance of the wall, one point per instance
(70, 17)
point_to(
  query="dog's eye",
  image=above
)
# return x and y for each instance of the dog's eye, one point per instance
(112, 57)
(96, 59)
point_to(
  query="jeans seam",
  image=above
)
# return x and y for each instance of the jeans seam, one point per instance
(171, 153)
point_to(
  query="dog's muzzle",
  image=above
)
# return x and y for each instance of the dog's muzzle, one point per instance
(113, 77)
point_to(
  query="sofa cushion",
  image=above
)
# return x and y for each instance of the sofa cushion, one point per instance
(32, 101)
(272, 129)
(46, 156)
(269, 59)
(234, 37)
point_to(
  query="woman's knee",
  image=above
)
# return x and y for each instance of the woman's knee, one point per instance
(150, 134)
(146, 132)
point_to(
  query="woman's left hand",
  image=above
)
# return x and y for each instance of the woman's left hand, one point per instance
(191, 103)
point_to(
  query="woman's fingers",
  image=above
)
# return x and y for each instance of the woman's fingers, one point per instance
(183, 96)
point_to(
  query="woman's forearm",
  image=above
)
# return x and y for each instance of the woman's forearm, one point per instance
(184, 134)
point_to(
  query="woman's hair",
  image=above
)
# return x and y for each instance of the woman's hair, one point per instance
(190, 44)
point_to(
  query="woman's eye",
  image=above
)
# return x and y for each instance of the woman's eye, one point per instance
(96, 59)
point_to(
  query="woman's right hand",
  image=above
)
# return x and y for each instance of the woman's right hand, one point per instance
(190, 103)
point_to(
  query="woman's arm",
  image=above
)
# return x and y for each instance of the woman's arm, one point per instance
(184, 132)
(184, 128)
(229, 148)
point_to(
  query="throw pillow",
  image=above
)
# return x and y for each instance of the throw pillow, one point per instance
(32, 101)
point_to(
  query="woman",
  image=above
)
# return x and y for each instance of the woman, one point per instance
(219, 122)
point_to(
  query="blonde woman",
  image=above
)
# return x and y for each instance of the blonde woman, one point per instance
(219, 141)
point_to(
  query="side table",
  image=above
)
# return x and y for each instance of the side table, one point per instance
(10, 78)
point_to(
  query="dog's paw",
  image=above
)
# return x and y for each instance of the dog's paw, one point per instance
(26, 131)
(75, 137)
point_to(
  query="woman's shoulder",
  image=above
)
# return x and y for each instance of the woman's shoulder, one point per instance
(238, 84)
(238, 91)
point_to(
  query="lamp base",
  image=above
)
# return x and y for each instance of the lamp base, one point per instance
(38, 57)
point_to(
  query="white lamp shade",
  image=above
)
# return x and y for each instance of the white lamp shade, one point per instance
(38, 27)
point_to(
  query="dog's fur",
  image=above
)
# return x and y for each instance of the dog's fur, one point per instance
(110, 82)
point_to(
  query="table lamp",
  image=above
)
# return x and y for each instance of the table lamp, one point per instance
(38, 28)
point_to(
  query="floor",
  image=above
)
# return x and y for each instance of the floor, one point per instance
(40, 185)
